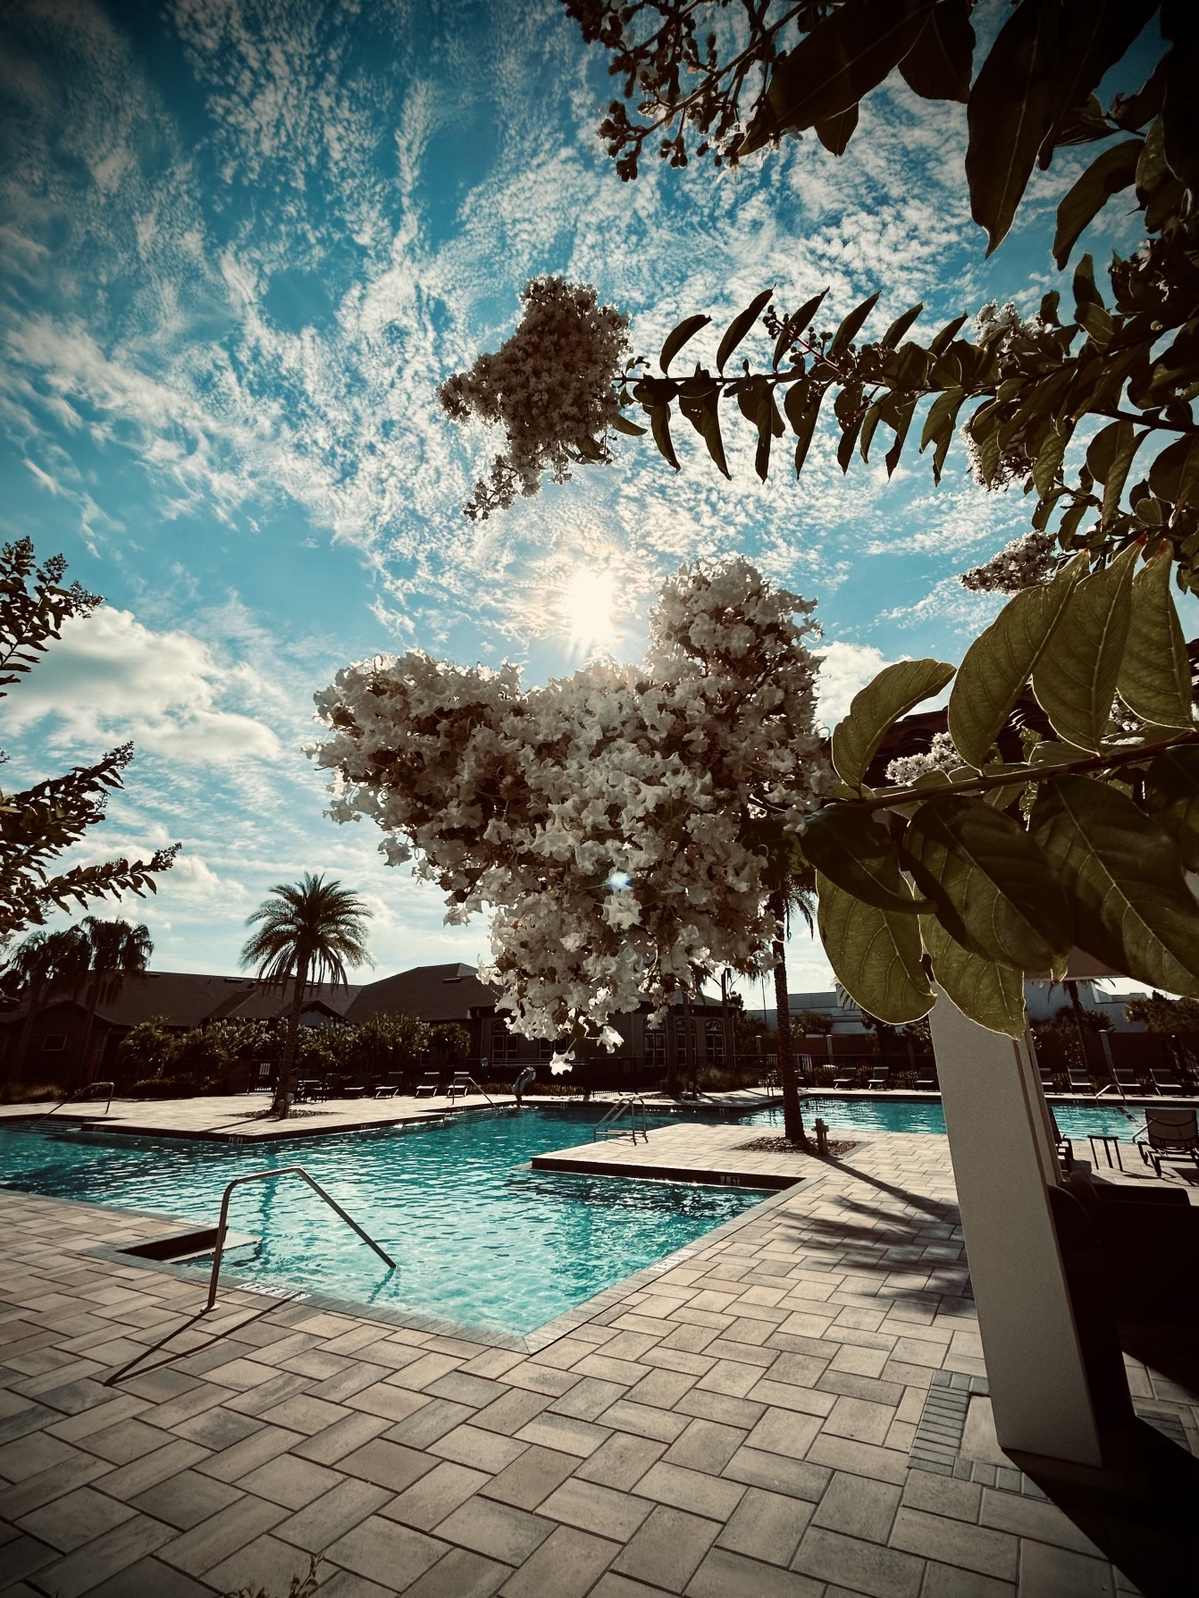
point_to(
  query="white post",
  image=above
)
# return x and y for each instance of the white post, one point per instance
(1004, 1159)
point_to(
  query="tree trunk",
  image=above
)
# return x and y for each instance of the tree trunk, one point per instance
(792, 1113)
(36, 991)
(281, 1103)
(1076, 1005)
(93, 1000)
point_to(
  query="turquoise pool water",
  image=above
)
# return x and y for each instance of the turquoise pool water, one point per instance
(479, 1238)
(885, 1114)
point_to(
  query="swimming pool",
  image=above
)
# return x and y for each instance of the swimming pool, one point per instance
(479, 1238)
(887, 1114)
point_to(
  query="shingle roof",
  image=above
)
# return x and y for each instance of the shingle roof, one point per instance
(191, 998)
(430, 992)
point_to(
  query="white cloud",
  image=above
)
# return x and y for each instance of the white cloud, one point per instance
(111, 678)
(845, 669)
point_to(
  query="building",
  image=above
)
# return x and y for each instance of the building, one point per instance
(52, 1039)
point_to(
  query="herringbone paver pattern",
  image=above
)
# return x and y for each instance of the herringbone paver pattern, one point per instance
(736, 1425)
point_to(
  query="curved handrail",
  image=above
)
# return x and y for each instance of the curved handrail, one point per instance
(93, 1091)
(630, 1104)
(260, 1176)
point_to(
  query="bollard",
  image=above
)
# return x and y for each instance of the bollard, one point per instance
(821, 1139)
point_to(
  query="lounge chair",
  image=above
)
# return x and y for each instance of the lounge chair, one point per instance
(460, 1085)
(880, 1077)
(1046, 1078)
(1171, 1138)
(846, 1076)
(1080, 1081)
(390, 1085)
(926, 1079)
(1165, 1079)
(1065, 1149)
(428, 1085)
(1125, 1081)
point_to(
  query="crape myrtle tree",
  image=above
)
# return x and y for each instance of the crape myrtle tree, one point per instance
(972, 869)
(38, 824)
(622, 825)
(308, 932)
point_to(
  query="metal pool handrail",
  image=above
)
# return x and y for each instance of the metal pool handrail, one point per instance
(630, 1104)
(261, 1176)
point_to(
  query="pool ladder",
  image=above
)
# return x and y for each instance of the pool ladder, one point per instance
(630, 1106)
(262, 1176)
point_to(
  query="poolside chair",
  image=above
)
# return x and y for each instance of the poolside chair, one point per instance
(1171, 1138)
(428, 1085)
(390, 1085)
(1080, 1081)
(846, 1076)
(1125, 1081)
(460, 1086)
(926, 1079)
(1165, 1078)
(1046, 1078)
(1065, 1149)
(880, 1077)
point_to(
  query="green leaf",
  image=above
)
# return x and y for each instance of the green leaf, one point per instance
(1133, 909)
(860, 856)
(1008, 114)
(849, 327)
(686, 329)
(844, 56)
(1180, 142)
(802, 407)
(710, 427)
(1109, 456)
(797, 324)
(835, 132)
(893, 693)
(1000, 662)
(1172, 791)
(1155, 674)
(938, 65)
(623, 425)
(770, 426)
(987, 992)
(659, 421)
(1076, 675)
(1049, 458)
(939, 426)
(1095, 35)
(740, 326)
(900, 326)
(876, 956)
(990, 883)
(1114, 170)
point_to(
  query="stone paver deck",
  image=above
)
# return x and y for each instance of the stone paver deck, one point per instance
(688, 1153)
(739, 1424)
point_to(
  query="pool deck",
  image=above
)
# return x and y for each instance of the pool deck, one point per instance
(721, 1155)
(240, 1118)
(794, 1407)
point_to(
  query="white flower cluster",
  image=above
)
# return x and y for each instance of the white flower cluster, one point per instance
(551, 387)
(1020, 347)
(941, 755)
(1026, 561)
(609, 820)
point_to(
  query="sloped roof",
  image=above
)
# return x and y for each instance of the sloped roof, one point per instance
(429, 992)
(190, 998)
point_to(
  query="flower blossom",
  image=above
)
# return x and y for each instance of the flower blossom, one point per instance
(606, 820)
(1025, 562)
(551, 387)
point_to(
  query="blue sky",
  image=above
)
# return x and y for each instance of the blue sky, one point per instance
(241, 244)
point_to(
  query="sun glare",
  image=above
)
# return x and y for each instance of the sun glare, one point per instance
(588, 599)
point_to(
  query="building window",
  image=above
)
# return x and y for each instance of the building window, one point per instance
(714, 1042)
(655, 1048)
(54, 1042)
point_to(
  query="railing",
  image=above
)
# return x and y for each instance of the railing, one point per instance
(631, 1105)
(93, 1092)
(461, 1081)
(262, 1176)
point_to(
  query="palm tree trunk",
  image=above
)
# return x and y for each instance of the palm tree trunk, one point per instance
(792, 1113)
(93, 1000)
(36, 991)
(281, 1103)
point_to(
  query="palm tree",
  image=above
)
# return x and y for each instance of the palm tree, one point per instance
(308, 933)
(44, 963)
(793, 890)
(116, 950)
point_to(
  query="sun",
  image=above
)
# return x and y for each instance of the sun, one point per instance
(587, 602)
